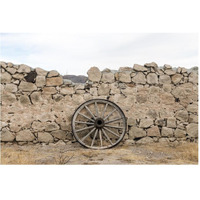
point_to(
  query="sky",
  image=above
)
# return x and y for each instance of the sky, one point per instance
(76, 53)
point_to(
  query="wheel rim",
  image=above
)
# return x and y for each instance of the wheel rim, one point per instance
(98, 124)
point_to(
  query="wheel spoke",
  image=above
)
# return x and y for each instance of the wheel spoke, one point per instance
(114, 127)
(107, 136)
(96, 107)
(111, 132)
(88, 134)
(100, 136)
(113, 120)
(85, 116)
(90, 112)
(94, 137)
(104, 110)
(109, 114)
(80, 122)
(84, 128)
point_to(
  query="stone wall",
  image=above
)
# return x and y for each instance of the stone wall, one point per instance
(161, 104)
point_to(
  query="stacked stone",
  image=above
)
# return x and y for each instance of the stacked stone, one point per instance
(161, 104)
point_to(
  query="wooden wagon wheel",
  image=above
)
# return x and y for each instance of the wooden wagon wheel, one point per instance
(98, 124)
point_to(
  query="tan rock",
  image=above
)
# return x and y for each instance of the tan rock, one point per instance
(24, 69)
(170, 72)
(193, 77)
(131, 121)
(11, 88)
(167, 87)
(152, 78)
(8, 98)
(193, 108)
(51, 126)
(24, 100)
(135, 132)
(27, 86)
(166, 66)
(124, 76)
(145, 123)
(36, 97)
(171, 122)
(182, 115)
(193, 118)
(53, 73)
(108, 77)
(153, 131)
(24, 136)
(45, 137)
(11, 70)
(145, 140)
(178, 133)
(167, 98)
(40, 81)
(40, 72)
(164, 79)
(141, 97)
(49, 90)
(152, 64)
(6, 135)
(192, 130)
(38, 126)
(139, 78)
(139, 68)
(93, 91)
(94, 74)
(59, 134)
(167, 132)
(5, 77)
(54, 81)
(67, 90)
(176, 78)
(18, 76)
(103, 89)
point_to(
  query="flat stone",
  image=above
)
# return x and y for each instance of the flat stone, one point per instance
(5, 77)
(164, 140)
(40, 81)
(94, 74)
(124, 76)
(135, 132)
(139, 68)
(139, 78)
(53, 73)
(108, 77)
(131, 121)
(67, 90)
(24, 69)
(153, 131)
(167, 132)
(178, 133)
(193, 108)
(145, 123)
(41, 72)
(59, 134)
(170, 72)
(176, 78)
(192, 130)
(103, 89)
(24, 136)
(36, 97)
(11, 70)
(11, 88)
(152, 64)
(152, 78)
(45, 137)
(80, 87)
(51, 126)
(24, 100)
(166, 66)
(27, 86)
(18, 76)
(49, 90)
(164, 79)
(145, 140)
(171, 122)
(182, 115)
(125, 69)
(37, 126)
(54, 81)
(6, 135)
(193, 77)
(193, 118)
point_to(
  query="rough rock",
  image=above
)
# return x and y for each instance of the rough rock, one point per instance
(152, 64)
(94, 74)
(27, 86)
(24, 100)
(139, 68)
(52, 73)
(193, 108)
(67, 90)
(166, 66)
(51, 126)
(24, 69)
(6, 135)
(182, 115)
(152, 78)
(49, 90)
(108, 77)
(38, 126)
(193, 77)
(8, 98)
(176, 78)
(45, 137)
(11, 88)
(93, 91)
(153, 131)
(125, 76)
(103, 89)
(164, 79)
(139, 78)
(171, 122)
(40, 81)
(145, 123)
(193, 118)
(5, 77)
(54, 81)
(24, 136)
(141, 97)
(167, 98)
(59, 134)
(145, 140)
(192, 130)
(40, 72)
(167, 132)
(135, 132)
(178, 133)
(170, 72)
(36, 97)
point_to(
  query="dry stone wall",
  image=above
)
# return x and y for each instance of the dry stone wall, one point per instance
(161, 104)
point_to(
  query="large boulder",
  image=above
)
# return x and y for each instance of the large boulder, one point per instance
(94, 74)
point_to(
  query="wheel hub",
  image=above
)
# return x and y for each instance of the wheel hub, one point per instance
(99, 123)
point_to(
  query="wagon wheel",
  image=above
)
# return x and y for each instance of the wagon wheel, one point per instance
(98, 124)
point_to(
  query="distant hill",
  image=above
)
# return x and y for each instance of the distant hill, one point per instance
(76, 79)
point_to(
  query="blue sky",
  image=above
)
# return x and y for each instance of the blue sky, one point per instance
(76, 53)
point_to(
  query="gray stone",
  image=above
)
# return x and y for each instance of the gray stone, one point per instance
(8, 98)
(178, 133)
(51, 126)
(139, 68)
(153, 131)
(166, 66)
(182, 115)
(164, 79)
(103, 89)
(49, 90)
(193, 77)
(27, 86)
(24, 100)
(193, 108)
(54, 81)
(145, 140)
(152, 64)
(131, 121)
(141, 97)
(170, 72)
(192, 130)
(93, 91)
(45, 137)
(36, 97)
(160, 122)
(145, 123)
(11, 70)
(108, 77)
(11, 88)
(176, 78)
(24, 136)
(171, 122)
(24, 69)
(18, 76)
(53, 73)
(152, 78)
(37, 126)
(59, 134)
(135, 132)
(94, 74)
(139, 78)
(40, 72)
(125, 76)
(193, 118)
(40, 81)
(167, 132)
(6, 135)
(67, 90)
(5, 77)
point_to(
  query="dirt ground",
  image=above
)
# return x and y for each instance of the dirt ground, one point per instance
(125, 153)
